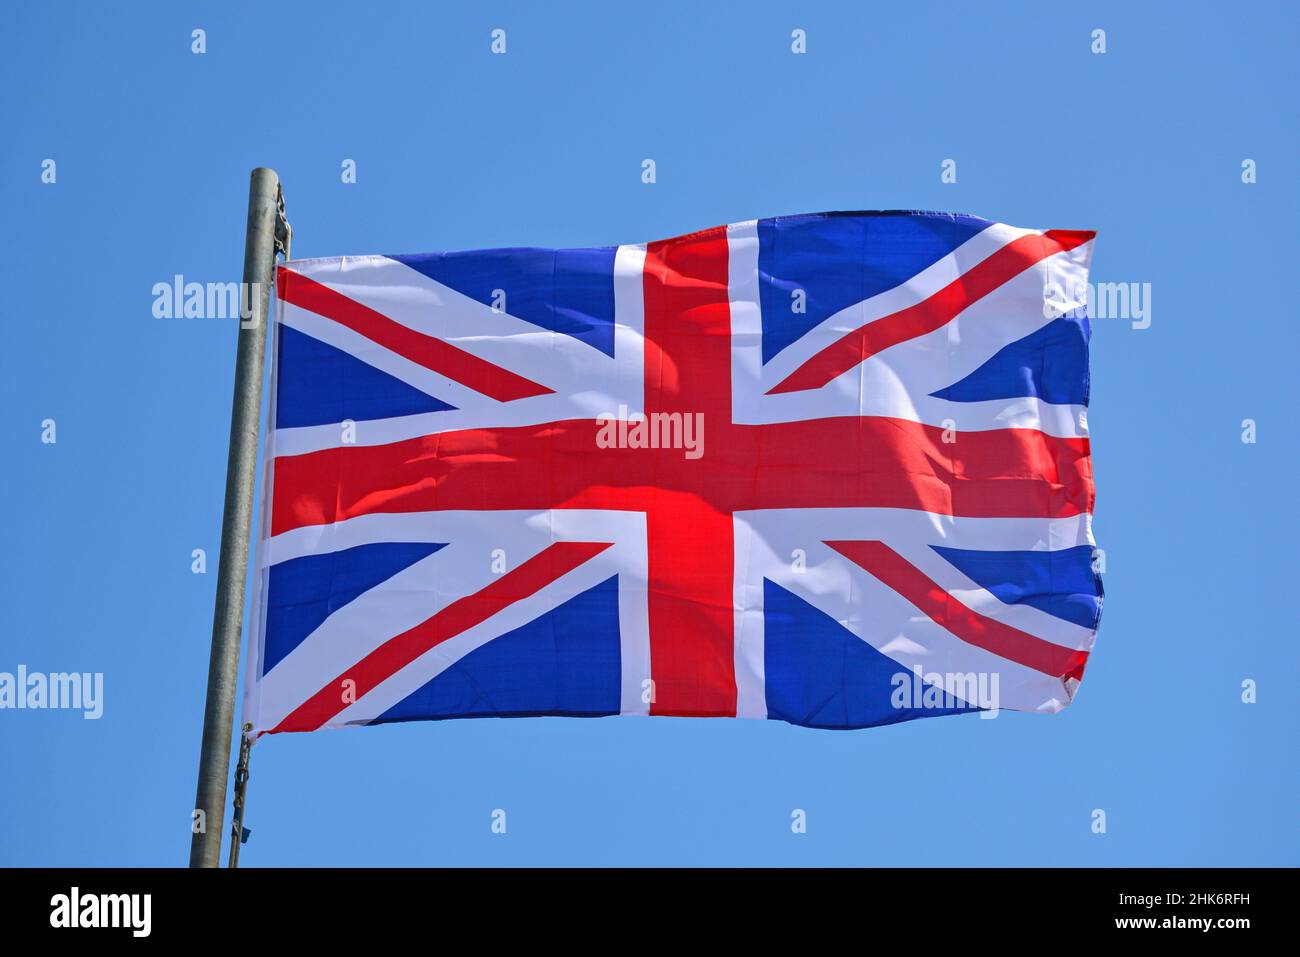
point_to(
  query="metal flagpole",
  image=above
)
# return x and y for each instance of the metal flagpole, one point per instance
(267, 231)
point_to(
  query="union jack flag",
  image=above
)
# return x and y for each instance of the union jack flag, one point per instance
(791, 468)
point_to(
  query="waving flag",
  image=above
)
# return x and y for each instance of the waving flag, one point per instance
(831, 469)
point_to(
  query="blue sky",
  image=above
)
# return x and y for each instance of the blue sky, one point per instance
(458, 148)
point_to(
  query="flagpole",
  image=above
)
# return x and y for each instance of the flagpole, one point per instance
(267, 231)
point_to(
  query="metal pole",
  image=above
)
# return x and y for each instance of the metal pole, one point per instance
(264, 221)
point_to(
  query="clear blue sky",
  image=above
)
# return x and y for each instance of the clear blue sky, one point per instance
(458, 148)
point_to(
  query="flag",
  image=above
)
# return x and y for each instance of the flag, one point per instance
(831, 469)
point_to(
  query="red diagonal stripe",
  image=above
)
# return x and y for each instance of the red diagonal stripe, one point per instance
(970, 626)
(932, 313)
(432, 353)
(548, 565)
